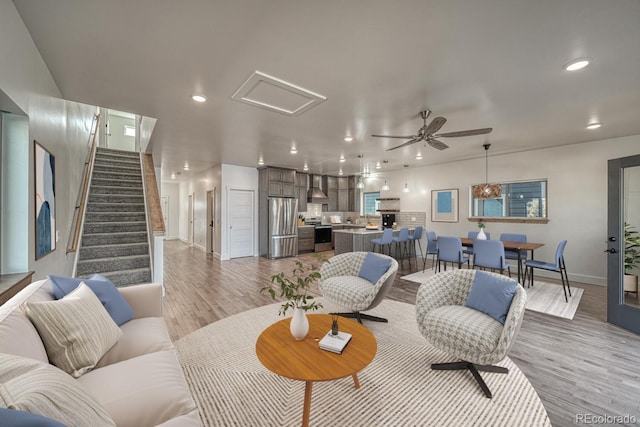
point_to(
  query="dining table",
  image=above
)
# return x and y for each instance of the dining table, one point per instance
(511, 246)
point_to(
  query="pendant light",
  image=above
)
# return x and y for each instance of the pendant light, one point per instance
(360, 184)
(486, 190)
(406, 185)
(385, 186)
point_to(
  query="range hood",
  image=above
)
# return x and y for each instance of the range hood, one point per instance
(315, 193)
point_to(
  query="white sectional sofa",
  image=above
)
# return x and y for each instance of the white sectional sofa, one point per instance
(138, 382)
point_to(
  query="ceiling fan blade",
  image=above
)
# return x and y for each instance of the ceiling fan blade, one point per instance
(470, 132)
(413, 140)
(437, 144)
(395, 136)
(435, 125)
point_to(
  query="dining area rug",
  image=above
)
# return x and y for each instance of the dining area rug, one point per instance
(542, 297)
(232, 388)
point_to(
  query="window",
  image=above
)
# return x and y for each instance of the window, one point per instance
(524, 199)
(371, 205)
(129, 130)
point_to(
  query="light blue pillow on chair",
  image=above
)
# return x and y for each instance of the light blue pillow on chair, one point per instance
(491, 296)
(374, 267)
(115, 304)
(16, 418)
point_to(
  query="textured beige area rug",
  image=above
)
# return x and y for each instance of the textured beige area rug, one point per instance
(398, 388)
(542, 297)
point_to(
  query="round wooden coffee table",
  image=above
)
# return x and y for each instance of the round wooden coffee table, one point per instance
(303, 360)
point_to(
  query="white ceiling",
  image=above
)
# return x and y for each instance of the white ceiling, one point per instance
(484, 63)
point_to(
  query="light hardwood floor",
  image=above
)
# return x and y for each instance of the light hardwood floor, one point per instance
(579, 366)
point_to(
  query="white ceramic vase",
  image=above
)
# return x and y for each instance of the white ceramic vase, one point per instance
(481, 235)
(299, 326)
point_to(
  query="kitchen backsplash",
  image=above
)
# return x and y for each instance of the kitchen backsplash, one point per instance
(409, 219)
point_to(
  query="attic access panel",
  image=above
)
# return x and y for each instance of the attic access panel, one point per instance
(268, 92)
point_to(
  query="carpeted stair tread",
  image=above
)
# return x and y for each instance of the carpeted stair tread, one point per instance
(115, 207)
(120, 183)
(114, 227)
(97, 216)
(127, 277)
(96, 239)
(129, 262)
(114, 250)
(113, 189)
(116, 198)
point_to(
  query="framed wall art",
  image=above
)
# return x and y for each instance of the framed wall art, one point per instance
(45, 200)
(444, 205)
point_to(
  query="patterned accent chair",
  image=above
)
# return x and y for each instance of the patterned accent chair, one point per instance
(462, 332)
(341, 285)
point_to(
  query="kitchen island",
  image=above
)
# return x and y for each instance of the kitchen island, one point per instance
(359, 239)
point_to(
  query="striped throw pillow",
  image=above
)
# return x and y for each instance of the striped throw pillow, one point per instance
(76, 330)
(33, 386)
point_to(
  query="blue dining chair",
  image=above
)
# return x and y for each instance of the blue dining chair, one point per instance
(432, 249)
(473, 235)
(385, 240)
(558, 267)
(416, 237)
(518, 255)
(490, 254)
(402, 239)
(450, 250)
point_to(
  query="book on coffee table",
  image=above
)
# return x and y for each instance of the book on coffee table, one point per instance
(335, 343)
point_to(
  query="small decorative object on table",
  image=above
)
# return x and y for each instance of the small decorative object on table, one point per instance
(335, 343)
(481, 235)
(294, 288)
(334, 324)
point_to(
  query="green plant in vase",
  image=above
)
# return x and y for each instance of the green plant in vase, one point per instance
(294, 288)
(631, 258)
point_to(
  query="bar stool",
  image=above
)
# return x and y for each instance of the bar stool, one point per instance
(416, 237)
(432, 249)
(403, 238)
(385, 240)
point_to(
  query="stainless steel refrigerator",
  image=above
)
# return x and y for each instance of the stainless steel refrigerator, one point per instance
(283, 227)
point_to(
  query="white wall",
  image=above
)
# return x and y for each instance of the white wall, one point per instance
(198, 185)
(577, 194)
(117, 139)
(22, 70)
(171, 190)
(60, 126)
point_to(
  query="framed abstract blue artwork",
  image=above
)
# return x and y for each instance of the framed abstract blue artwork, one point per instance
(45, 200)
(444, 205)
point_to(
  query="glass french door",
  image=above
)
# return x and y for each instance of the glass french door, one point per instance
(623, 302)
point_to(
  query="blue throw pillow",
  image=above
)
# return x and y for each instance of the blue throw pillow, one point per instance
(491, 296)
(115, 304)
(15, 418)
(374, 267)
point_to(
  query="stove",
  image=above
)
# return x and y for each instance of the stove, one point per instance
(322, 236)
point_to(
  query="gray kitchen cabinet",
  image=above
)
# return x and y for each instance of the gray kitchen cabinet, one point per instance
(343, 183)
(333, 200)
(343, 200)
(306, 238)
(278, 182)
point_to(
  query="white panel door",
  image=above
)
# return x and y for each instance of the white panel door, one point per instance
(241, 223)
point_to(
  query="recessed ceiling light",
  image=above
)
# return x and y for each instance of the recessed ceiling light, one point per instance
(186, 166)
(594, 125)
(340, 172)
(199, 98)
(294, 150)
(342, 159)
(305, 167)
(173, 175)
(260, 162)
(378, 165)
(419, 156)
(577, 64)
(348, 138)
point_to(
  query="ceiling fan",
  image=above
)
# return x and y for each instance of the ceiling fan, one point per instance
(427, 133)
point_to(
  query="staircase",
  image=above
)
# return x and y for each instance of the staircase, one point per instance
(114, 238)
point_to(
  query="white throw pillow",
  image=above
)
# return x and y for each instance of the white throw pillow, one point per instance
(37, 387)
(76, 330)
